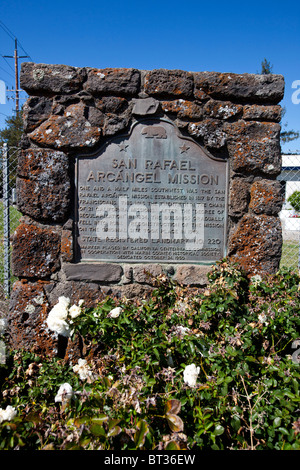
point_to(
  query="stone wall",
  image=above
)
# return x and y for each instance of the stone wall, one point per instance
(71, 110)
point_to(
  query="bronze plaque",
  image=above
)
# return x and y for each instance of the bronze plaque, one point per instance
(151, 196)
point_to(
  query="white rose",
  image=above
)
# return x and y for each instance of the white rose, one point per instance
(262, 318)
(83, 370)
(58, 325)
(190, 375)
(64, 302)
(8, 414)
(60, 310)
(256, 279)
(64, 394)
(115, 312)
(3, 325)
(56, 320)
(182, 330)
(74, 311)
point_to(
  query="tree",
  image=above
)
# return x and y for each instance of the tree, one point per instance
(288, 136)
(266, 67)
(294, 200)
(12, 133)
(285, 136)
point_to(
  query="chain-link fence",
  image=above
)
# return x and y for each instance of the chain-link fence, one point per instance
(9, 215)
(290, 213)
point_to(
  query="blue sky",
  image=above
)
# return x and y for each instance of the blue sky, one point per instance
(194, 35)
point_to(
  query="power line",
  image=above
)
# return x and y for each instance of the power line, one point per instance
(13, 36)
(3, 57)
(5, 28)
(27, 55)
(16, 57)
(8, 73)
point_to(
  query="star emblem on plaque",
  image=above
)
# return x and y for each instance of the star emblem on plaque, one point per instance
(123, 147)
(184, 148)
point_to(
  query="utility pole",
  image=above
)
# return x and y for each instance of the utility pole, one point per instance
(16, 58)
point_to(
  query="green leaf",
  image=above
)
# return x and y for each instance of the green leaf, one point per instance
(156, 353)
(283, 431)
(208, 426)
(112, 423)
(236, 423)
(82, 420)
(289, 394)
(150, 381)
(277, 422)
(295, 384)
(218, 430)
(191, 348)
(172, 445)
(228, 379)
(250, 359)
(175, 423)
(106, 382)
(99, 419)
(173, 406)
(33, 417)
(141, 433)
(114, 431)
(97, 430)
(231, 351)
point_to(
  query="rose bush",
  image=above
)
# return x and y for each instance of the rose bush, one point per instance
(184, 368)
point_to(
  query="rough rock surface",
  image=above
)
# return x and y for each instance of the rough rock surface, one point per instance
(211, 131)
(113, 81)
(241, 87)
(256, 244)
(43, 184)
(256, 112)
(266, 197)
(171, 83)
(44, 78)
(184, 109)
(239, 196)
(192, 275)
(36, 251)
(73, 111)
(145, 273)
(90, 292)
(35, 111)
(70, 130)
(254, 147)
(27, 320)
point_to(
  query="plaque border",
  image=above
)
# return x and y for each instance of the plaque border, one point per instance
(101, 149)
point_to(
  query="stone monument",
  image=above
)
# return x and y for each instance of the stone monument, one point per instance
(126, 172)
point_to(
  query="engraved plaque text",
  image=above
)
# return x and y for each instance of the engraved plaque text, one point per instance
(151, 196)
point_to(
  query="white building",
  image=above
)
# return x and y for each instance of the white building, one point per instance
(290, 178)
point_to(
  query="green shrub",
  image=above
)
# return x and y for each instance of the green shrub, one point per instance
(294, 200)
(133, 391)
